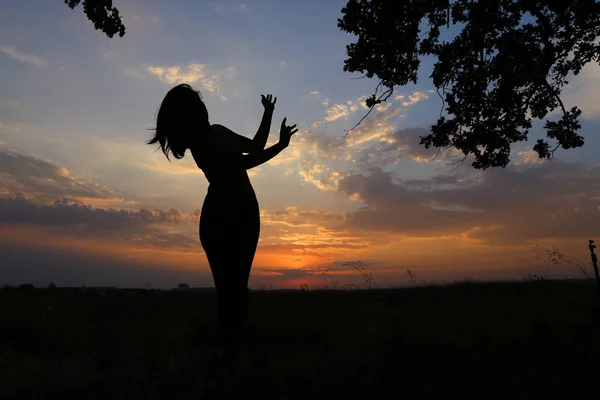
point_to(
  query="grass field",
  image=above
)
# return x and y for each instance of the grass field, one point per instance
(518, 340)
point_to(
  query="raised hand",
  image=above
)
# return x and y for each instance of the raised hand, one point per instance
(286, 132)
(268, 102)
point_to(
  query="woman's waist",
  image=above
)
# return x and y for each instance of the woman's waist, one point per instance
(230, 193)
(229, 204)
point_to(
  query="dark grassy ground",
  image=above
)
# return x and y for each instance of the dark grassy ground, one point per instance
(502, 340)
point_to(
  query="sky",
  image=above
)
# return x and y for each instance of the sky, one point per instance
(84, 201)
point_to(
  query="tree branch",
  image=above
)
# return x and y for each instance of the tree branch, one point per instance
(379, 100)
(358, 123)
(459, 161)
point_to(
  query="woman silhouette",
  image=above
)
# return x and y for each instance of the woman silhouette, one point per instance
(230, 219)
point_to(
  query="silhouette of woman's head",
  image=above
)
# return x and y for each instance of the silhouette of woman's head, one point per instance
(182, 114)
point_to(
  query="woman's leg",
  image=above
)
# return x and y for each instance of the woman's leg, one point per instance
(230, 261)
(229, 238)
(248, 251)
(228, 304)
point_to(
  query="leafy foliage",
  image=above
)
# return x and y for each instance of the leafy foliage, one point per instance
(102, 14)
(505, 67)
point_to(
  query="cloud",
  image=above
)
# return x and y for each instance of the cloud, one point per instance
(195, 74)
(39, 193)
(338, 111)
(69, 217)
(323, 177)
(44, 181)
(527, 157)
(582, 91)
(24, 57)
(322, 160)
(375, 129)
(18, 208)
(310, 239)
(496, 207)
(343, 110)
(37, 221)
(292, 217)
(395, 145)
(313, 237)
(414, 98)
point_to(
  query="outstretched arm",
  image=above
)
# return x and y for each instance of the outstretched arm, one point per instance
(229, 160)
(254, 159)
(226, 160)
(262, 135)
(261, 156)
(241, 144)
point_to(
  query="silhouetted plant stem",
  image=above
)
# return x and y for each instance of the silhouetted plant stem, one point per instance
(592, 246)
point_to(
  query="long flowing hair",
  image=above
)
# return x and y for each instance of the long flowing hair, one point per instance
(181, 112)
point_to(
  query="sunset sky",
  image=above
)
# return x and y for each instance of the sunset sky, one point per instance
(84, 201)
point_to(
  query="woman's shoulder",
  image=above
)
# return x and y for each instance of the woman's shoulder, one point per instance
(220, 133)
(225, 140)
(211, 141)
(212, 149)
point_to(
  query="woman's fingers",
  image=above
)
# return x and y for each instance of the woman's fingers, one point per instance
(269, 98)
(292, 129)
(288, 130)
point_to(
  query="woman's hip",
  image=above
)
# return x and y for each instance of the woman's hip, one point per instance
(219, 223)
